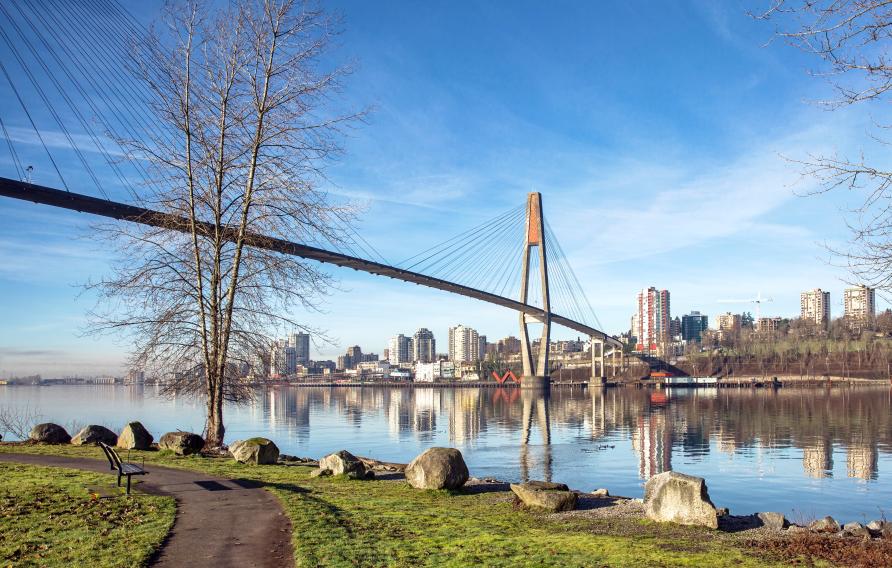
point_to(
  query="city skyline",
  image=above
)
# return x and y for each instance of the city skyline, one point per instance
(709, 171)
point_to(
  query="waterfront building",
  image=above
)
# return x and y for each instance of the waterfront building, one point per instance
(464, 344)
(481, 347)
(693, 325)
(400, 350)
(815, 307)
(424, 346)
(860, 307)
(653, 319)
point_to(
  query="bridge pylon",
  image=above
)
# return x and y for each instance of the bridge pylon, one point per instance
(535, 365)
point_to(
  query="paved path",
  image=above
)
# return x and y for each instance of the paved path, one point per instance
(219, 522)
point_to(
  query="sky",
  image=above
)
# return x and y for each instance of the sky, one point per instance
(660, 136)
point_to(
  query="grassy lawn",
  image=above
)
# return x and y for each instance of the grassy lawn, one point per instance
(48, 518)
(338, 522)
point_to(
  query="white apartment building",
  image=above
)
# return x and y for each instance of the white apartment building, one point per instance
(464, 344)
(400, 350)
(860, 307)
(815, 307)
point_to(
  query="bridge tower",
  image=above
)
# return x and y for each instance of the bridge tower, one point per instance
(535, 365)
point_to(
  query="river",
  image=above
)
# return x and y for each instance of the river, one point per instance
(806, 452)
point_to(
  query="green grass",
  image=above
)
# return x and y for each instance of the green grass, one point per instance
(48, 518)
(339, 522)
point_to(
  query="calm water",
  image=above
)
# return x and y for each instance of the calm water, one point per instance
(805, 452)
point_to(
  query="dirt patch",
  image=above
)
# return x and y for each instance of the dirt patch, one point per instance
(807, 549)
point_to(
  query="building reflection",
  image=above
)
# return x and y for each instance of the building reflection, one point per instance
(655, 424)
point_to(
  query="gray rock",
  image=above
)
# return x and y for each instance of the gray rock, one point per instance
(856, 529)
(826, 525)
(93, 434)
(544, 495)
(49, 433)
(796, 529)
(437, 468)
(257, 451)
(344, 463)
(679, 498)
(876, 526)
(722, 511)
(134, 436)
(600, 493)
(319, 472)
(776, 521)
(181, 443)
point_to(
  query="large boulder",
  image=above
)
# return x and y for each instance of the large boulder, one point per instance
(257, 451)
(437, 468)
(181, 443)
(343, 463)
(545, 495)
(134, 436)
(93, 434)
(679, 498)
(49, 433)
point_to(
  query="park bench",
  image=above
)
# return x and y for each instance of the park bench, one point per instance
(124, 468)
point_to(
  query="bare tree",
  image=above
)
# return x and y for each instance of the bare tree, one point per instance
(17, 421)
(245, 121)
(851, 40)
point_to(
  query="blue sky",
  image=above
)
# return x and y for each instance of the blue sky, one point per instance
(655, 132)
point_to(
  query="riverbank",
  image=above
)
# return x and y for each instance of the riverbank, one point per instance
(339, 522)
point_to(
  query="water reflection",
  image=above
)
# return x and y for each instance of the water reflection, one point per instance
(780, 449)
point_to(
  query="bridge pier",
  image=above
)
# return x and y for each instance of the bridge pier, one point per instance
(596, 349)
(535, 365)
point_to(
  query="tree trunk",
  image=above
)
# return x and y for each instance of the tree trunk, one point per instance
(214, 429)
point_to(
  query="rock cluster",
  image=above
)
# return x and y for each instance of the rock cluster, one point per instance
(679, 498)
(181, 443)
(93, 434)
(134, 436)
(49, 433)
(437, 468)
(552, 497)
(257, 451)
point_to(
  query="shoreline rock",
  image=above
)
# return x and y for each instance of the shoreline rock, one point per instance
(93, 434)
(49, 433)
(679, 498)
(256, 451)
(437, 468)
(545, 495)
(134, 436)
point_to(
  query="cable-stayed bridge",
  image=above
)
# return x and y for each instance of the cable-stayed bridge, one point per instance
(68, 96)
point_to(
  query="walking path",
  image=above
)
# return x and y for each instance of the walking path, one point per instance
(219, 522)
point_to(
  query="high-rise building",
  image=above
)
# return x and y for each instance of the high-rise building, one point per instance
(653, 319)
(815, 307)
(481, 347)
(464, 344)
(693, 325)
(424, 346)
(301, 343)
(860, 307)
(400, 350)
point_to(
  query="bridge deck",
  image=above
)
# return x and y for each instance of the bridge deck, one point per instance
(86, 204)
